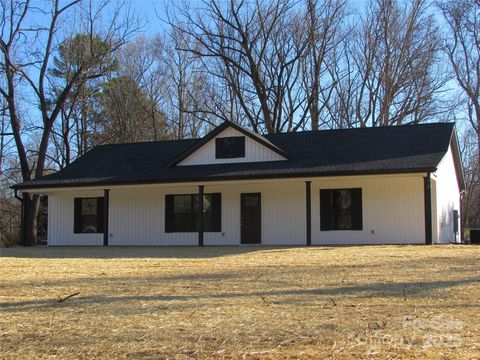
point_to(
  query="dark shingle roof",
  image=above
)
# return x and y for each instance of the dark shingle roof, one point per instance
(400, 149)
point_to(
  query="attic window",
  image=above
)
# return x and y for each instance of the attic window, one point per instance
(230, 147)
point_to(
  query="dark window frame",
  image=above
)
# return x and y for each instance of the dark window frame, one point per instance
(79, 216)
(212, 215)
(331, 211)
(230, 147)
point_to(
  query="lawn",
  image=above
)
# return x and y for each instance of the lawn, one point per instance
(240, 302)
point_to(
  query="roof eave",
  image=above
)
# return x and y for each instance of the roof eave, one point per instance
(227, 178)
(457, 159)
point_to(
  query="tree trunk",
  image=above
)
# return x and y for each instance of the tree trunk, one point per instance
(478, 139)
(31, 205)
(314, 113)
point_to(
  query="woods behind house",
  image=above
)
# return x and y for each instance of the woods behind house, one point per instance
(76, 74)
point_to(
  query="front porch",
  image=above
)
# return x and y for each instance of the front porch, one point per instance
(288, 213)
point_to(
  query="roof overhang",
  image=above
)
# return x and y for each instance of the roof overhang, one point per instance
(305, 174)
(457, 159)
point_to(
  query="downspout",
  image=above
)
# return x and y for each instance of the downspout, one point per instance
(462, 227)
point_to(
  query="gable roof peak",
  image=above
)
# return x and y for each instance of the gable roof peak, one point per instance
(218, 130)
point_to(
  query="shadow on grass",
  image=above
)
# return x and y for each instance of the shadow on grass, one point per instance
(267, 274)
(160, 252)
(284, 296)
(134, 252)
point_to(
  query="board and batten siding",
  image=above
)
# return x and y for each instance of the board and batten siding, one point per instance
(254, 151)
(137, 216)
(392, 208)
(447, 199)
(61, 220)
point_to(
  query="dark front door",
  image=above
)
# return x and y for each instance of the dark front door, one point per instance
(251, 228)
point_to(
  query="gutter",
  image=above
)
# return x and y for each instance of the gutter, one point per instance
(225, 178)
(462, 230)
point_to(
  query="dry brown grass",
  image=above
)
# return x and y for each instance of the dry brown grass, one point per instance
(241, 302)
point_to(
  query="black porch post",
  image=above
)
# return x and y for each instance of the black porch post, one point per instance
(427, 189)
(106, 205)
(308, 193)
(200, 214)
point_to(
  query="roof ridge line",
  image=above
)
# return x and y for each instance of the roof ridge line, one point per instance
(363, 128)
(147, 142)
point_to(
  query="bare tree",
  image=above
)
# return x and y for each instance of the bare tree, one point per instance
(462, 46)
(139, 62)
(340, 99)
(253, 48)
(189, 87)
(172, 81)
(27, 49)
(470, 203)
(9, 206)
(5, 134)
(325, 21)
(396, 61)
(463, 50)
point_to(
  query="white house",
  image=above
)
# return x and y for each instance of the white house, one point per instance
(389, 185)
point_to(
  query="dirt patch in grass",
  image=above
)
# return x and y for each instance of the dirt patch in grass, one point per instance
(240, 302)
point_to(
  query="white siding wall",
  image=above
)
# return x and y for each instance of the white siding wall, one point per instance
(60, 219)
(137, 217)
(447, 198)
(254, 151)
(392, 207)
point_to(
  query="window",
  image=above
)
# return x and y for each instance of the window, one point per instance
(230, 147)
(341, 209)
(88, 215)
(181, 213)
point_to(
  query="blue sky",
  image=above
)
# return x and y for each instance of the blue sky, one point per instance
(148, 10)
